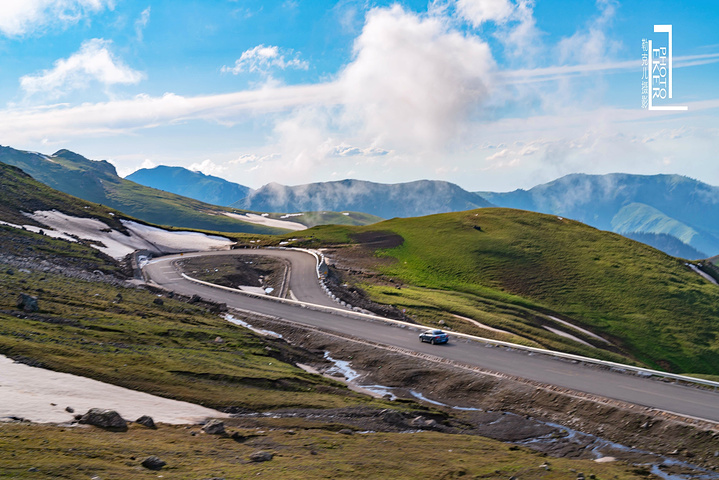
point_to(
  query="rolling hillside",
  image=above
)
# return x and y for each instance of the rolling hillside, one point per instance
(663, 205)
(422, 197)
(197, 185)
(514, 270)
(98, 182)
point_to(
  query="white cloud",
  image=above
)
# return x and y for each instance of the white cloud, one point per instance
(20, 17)
(414, 82)
(141, 23)
(478, 12)
(123, 116)
(208, 167)
(592, 44)
(93, 62)
(521, 38)
(344, 150)
(262, 59)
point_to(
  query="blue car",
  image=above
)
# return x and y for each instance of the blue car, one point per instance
(434, 336)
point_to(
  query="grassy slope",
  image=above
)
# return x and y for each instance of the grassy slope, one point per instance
(664, 315)
(19, 192)
(168, 350)
(312, 219)
(301, 452)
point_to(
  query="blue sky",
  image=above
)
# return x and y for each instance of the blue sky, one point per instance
(489, 94)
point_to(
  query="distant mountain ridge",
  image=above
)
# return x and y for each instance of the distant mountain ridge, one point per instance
(411, 199)
(197, 185)
(651, 207)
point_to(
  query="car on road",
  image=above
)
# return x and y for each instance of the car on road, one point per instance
(434, 336)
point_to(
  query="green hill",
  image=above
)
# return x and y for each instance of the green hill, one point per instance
(98, 182)
(510, 269)
(630, 204)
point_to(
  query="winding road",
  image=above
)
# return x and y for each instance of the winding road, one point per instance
(669, 397)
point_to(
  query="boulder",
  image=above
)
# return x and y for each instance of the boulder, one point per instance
(392, 417)
(27, 303)
(261, 456)
(146, 421)
(107, 419)
(153, 463)
(214, 427)
(158, 301)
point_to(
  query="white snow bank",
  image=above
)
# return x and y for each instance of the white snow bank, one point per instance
(268, 222)
(41, 396)
(117, 244)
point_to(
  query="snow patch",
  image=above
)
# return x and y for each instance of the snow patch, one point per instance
(266, 221)
(41, 396)
(117, 244)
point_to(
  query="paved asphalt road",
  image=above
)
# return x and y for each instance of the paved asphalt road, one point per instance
(669, 397)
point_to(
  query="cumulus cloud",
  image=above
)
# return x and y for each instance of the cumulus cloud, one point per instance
(93, 62)
(262, 59)
(20, 17)
(414, 81)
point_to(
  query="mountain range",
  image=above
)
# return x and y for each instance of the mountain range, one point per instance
(412, 199)
(188, 183)
(670, 212)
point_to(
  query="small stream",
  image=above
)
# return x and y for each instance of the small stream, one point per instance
(600, 449)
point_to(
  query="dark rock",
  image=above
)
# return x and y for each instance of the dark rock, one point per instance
(158, 301)
(69, 410)
(107, 419)
(237, 437)
(214, 427)
(10, 271)
(392, 417)
(218, 308)
(261, 456)
(194, 299)
(27, 303)
(146, 421)
(153, 463)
